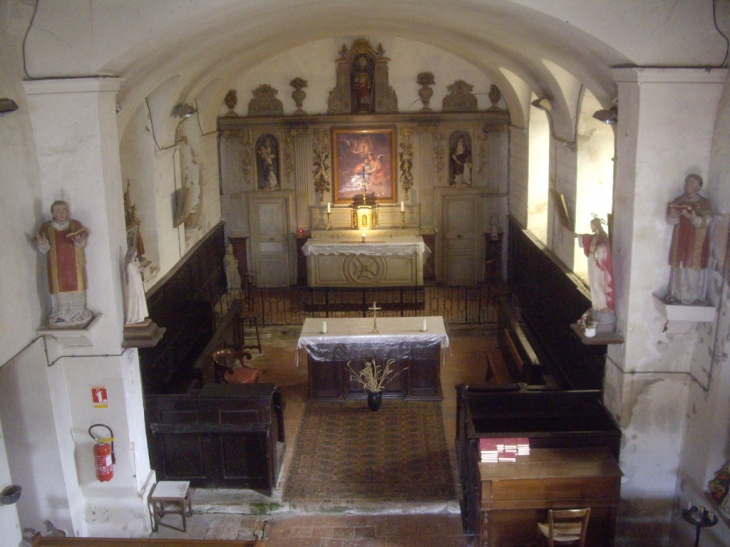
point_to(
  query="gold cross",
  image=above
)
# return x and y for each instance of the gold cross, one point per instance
(375, 309)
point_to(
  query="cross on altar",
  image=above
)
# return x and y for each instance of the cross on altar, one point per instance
(375, 309)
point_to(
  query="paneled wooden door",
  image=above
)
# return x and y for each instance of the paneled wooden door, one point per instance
(269, 215)
(461, 237)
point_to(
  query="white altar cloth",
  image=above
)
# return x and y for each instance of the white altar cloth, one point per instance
(388, 261)
(374, 246)
(353, 338)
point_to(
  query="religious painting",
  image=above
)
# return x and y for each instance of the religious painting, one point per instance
(460, 158)
(364, 163)
(267, 162)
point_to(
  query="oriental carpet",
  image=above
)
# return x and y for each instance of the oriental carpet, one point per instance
(346, 452)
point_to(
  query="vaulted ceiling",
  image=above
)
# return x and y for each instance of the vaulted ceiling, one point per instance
(540, 44)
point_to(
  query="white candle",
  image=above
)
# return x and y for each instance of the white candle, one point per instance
(402, 207)
(424, 327)
(324, 327)
(329, 208)
(363, 238)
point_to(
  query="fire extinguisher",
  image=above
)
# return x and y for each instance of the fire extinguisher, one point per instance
(104, 458)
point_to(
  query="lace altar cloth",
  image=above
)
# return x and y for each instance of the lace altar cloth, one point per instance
(353, 338)
(374, 246)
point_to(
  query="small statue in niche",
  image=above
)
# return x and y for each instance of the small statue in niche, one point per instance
(233, 276)
(267, 160)
(134, 297)
(460, 160)
(689, 256)
(362, 85)
(597, 248)
(62, 239)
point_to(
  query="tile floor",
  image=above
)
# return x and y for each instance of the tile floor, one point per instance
(227, 514)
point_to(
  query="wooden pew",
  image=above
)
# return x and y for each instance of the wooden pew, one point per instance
(40, 541)
(551, 420)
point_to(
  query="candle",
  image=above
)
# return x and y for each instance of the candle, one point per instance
(402, 207)
(363, 238)
(324, 327)
(329, 207)
(424, 327)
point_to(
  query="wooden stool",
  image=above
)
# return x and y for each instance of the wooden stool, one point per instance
(170, 497)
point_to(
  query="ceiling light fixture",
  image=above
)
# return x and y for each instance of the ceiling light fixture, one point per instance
(607, 116)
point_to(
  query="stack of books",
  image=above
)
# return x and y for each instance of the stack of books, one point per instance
(503, 449)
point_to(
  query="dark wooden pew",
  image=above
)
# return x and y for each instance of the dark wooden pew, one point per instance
(551, 420)
(40, 541)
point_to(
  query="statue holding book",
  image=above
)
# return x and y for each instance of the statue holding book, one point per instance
(690, 215)
(62, 239)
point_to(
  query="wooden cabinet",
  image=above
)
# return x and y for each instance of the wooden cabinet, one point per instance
(227, 435)
(515, 496)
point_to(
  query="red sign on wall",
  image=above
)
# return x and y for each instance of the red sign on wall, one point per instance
(99, 397)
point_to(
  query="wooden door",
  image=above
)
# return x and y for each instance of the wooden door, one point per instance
(461, 239)
(270, 252)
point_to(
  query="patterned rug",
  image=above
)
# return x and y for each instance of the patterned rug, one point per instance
(346, 452)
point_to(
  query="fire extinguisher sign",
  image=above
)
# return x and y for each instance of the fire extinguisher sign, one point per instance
(99, 397)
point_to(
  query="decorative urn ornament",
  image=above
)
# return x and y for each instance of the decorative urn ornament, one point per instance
(298, 95)
(425, 80)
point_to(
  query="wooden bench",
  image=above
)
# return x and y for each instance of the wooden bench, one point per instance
(40, 541)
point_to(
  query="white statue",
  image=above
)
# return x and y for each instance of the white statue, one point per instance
(135, 301)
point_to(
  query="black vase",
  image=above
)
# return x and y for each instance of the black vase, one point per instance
(375, 398)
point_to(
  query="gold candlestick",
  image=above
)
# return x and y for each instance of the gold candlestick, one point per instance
(402, 220)
(329, 222)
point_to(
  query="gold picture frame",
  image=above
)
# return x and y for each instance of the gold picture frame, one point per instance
(364, 159)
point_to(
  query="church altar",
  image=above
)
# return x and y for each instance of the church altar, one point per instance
(369, 258)
(353, 340)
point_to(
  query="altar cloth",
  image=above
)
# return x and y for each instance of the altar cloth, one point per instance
(354, 339)
(374, 246)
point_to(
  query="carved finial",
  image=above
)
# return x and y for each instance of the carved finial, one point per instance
(343, 51)
(380, 51)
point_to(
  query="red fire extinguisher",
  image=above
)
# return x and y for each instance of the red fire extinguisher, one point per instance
(104, 458)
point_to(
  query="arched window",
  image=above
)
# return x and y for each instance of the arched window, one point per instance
(595, 165)
(538, 177)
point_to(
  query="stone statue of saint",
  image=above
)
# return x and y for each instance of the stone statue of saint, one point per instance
(597, 248)
(62, 239)
(135, 301)
(689, 256)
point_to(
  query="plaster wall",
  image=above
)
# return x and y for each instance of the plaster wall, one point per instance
(707, 436)
(199, 165)
(31, 440)
(8, 513)
(137, 159)
(315, 62)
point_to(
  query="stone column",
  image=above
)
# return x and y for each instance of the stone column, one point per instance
(304, 179)
(664, 131)
(75, 132)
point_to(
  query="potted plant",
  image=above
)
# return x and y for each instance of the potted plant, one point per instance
(588, 323)
(373, 378)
